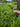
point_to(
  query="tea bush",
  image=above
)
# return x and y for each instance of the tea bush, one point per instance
(7, 18)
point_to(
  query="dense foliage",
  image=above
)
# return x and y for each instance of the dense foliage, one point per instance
(7, 18)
